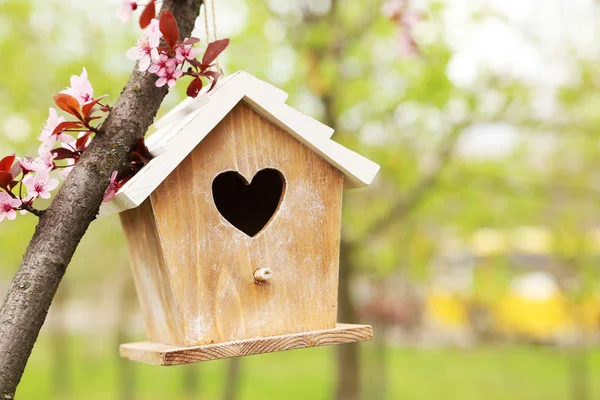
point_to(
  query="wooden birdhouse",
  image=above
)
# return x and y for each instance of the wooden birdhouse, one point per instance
(233, 228)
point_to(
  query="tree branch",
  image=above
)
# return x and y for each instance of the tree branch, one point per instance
(34, 211)
(62, 226)
(402, 208)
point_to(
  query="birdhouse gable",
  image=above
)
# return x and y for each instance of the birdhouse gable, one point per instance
(189, 123)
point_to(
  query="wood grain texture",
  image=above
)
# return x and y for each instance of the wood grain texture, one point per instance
(160, 354)
(211, 263)
(151, 275)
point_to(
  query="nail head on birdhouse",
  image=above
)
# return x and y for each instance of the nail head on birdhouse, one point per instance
(262, 274)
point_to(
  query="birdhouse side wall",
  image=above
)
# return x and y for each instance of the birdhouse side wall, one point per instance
(150, 275)
(211, 263)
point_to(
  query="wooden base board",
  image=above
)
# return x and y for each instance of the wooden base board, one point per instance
(162, 354)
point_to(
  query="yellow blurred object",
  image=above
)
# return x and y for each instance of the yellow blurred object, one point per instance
(532, 240)
(488, 242)
(590, 314)
(447, 309)
(534, 307)
(593, 240)
(533, 318)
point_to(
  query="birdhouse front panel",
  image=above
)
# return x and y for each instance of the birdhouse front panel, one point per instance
(249, 197)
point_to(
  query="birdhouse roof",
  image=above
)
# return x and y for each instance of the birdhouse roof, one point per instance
(184, 127)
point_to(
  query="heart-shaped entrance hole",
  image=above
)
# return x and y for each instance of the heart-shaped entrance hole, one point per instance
(248, 206)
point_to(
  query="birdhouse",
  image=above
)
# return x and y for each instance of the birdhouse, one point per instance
(233, 228)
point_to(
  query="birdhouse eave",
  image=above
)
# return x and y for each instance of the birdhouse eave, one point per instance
(182, 129)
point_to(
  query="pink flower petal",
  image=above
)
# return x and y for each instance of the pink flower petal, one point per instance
(124, 12)
(11, 215)
(52, 184)
(161, 82)
(144, 63)
(134, 53)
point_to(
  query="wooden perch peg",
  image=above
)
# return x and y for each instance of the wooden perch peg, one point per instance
(262, 274)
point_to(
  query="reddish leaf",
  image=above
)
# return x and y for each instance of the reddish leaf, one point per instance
(140, 152)
(169, 29)
(214, 75)
(82, 140)
(15, 170)
(195, 63)
(6, 163)
(63, 126)
(62, 153)
(12, 185)
(87, 108)
(190, 41)
(148, 14)
(194, 88)
(135, 158)
(213, 50)
(125, 179)
(5, 180)
(68, 104)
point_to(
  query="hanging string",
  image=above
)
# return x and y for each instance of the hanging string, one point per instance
(206, 26)
(214, 17)
(214, 27)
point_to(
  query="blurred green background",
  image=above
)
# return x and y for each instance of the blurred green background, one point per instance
(475, 253)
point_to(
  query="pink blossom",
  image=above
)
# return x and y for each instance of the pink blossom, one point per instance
(40, 184)
(51, 123)
(112, 189)
(406, 43)
(28, 164)
(186, 52)
(45, 158)
(127, 8)
(153, 33)
(169, 78)
(163, 64)
(81, 88)
(143, 52)
(8, 206)
(44, 162)
(393, 8)
(410, 18)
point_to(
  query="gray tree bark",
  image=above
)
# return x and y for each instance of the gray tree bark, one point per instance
(348, 355)
(76, 205)
(232, 383)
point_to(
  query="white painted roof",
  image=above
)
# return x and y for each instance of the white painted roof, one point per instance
(184, 127)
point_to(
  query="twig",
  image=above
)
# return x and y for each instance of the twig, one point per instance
(25, 206)
(34, 211)
(413, 198)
